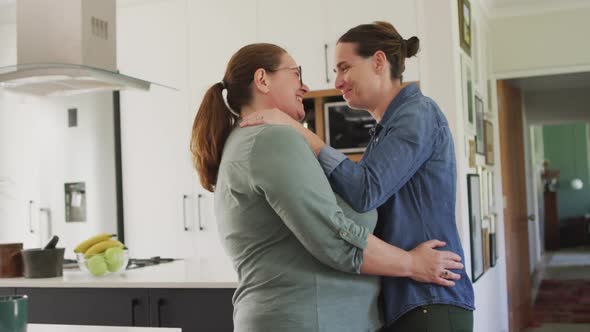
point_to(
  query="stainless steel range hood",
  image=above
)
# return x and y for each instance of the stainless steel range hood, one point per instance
(66, 47)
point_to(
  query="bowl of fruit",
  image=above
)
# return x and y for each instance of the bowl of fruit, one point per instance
(102, 255)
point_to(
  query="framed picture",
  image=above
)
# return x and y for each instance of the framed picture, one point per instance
(484, 193)
(465, 25)
(493, 241)
(479, 145)
(488, 141)
(487, 263)
(472, 162)
(467, 92)
(491, 193)
(475, 229)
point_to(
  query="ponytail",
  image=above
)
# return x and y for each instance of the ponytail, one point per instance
(217, 115)
(213, 124)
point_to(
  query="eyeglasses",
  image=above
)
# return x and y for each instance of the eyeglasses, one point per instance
(298, 68)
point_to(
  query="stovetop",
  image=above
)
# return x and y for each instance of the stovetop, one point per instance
(134, 263)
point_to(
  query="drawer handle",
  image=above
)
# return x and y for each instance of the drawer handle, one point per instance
(31, 230)
(184, 223)
(134, 304)
(199, 197)
(161, 304)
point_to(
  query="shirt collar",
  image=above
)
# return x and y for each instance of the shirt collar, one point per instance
(405, 93)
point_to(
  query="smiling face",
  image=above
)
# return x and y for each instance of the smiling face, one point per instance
(356, 76)
(285, 90)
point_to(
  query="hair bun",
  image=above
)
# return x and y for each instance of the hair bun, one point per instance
(412, 46)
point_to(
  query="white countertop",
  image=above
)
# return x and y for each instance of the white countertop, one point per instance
(189, 273)
(86, 328)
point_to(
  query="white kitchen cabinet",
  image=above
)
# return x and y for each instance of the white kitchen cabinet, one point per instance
(301, 30)
(186, 45)
(155, 130)
(309, 31)
(19, 198)
(217, 29)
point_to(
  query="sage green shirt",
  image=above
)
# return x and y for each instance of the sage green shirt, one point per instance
(297, 248)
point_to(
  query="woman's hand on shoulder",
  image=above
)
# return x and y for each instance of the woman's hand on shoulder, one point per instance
(269, 116)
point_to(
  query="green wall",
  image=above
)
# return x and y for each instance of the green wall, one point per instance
(566, 147)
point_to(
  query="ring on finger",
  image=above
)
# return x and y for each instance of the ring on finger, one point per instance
(444, 274)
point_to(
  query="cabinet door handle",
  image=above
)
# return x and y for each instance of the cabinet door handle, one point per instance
(161, 304)
(31, 230)
(47, 212)
(134, 304)
(326, 63)
(199, 197)
(184, 221)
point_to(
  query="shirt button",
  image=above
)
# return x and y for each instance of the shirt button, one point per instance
(343, 233)
(425, 311)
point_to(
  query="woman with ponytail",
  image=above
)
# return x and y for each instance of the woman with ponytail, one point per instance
(298, 250)
(408, 173)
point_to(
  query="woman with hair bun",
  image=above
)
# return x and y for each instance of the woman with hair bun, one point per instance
(408, 172)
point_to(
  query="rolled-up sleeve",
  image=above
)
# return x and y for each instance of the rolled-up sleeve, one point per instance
(284, 169)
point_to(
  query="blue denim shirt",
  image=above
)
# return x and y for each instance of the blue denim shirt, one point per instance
(408, 173)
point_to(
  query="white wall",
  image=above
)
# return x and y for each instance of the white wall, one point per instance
(8, 42)
(553, 42)
(85, 153)
(39, 153)
(532, 179)
(537, 158)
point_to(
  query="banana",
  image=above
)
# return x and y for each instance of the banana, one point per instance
(82, 247)
(102, 246)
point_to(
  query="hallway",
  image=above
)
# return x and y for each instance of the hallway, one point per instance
(561, 292)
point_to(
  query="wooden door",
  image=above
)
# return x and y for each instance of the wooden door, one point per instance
(515, 206)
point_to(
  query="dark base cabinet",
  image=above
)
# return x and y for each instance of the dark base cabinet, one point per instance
(88, 306)
(193, 310)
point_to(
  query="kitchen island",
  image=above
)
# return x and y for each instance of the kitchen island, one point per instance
(188, 273)
(195, 295)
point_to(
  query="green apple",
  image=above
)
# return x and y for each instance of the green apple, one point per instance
(97, 265)
(114, 258)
